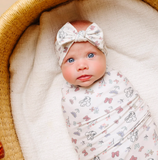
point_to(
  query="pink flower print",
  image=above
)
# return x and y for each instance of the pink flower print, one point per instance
(111, 143)
(104, 152)
(79, 124)
(141, 108)
(97, 43)
(119, 109)
(102, 83)
(74, 140)
(146, 155)
(108, 117)
(116, 121)
(77, 89)
(87, 92)
(93, 149)
(86, 118)
(65, 49)
(92, 109)
(118, 74)
(91, 123)
(92, 27)
(68, 122)
(109, 100)
(104, 132)
(144, 126)
(71, 86)
(133, 158)
(115, 154)
(84, 152)
(107, 111)
(116, 81)
(99, 94)
(129, 102)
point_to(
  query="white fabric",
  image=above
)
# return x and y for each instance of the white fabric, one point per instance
(107, 118)
(131, 31)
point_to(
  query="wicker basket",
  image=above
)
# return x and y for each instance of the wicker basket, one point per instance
(12, 25)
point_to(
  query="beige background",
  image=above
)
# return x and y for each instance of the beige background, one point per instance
(5, 4)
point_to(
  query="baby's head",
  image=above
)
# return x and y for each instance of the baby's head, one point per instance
(80, 48)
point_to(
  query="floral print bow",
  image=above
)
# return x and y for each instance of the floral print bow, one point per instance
(68, 35)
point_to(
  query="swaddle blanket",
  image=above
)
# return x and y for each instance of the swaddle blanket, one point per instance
(109, 120)
(131, 31)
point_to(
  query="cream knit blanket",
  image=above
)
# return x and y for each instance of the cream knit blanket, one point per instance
(131, 31)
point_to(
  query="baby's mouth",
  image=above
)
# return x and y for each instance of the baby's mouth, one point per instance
(84, 77)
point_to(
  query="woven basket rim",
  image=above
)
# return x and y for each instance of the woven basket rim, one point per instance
(13, 23)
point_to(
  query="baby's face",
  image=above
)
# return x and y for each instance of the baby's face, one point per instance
(84, 64)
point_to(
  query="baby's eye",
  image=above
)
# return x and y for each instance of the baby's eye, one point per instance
(70, 60)
(90, 55)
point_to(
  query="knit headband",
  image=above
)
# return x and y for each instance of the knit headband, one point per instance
(68, 35)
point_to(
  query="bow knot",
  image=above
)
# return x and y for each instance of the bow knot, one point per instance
(80, 37)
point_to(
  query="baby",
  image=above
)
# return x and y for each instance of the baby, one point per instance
(105, 116)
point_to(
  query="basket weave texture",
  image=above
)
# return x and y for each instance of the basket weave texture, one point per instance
(12, 24)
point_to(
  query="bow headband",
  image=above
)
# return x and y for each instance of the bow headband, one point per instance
(68, 35)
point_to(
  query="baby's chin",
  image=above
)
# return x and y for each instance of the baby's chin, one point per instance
(85, 84)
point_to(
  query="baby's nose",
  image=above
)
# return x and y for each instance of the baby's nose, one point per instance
(82, 66)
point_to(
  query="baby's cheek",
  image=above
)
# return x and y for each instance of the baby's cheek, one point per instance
(100, 68)
(68, 75)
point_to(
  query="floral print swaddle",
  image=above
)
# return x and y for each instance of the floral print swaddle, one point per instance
(109, 120)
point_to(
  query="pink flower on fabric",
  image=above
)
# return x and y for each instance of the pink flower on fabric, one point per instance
(109, 100)
(84, 152)
(133, 158)
(92, 27)
(115, 154)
